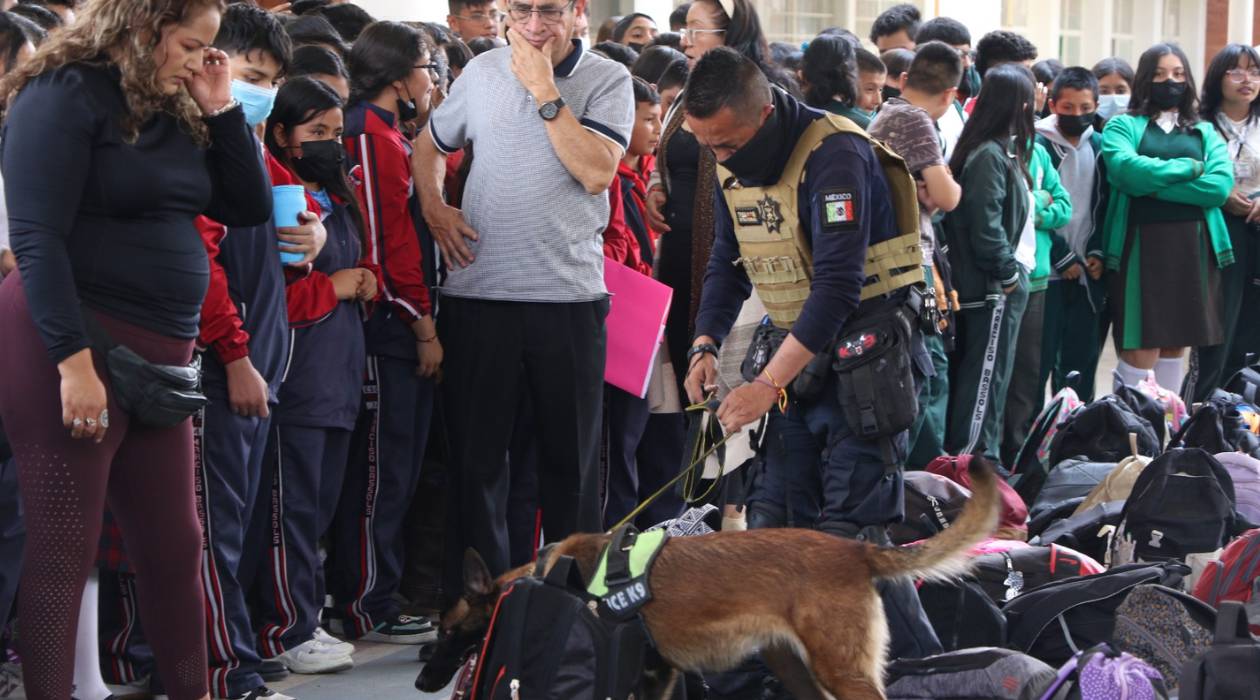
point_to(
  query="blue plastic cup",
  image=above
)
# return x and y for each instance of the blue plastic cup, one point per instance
(290, 201)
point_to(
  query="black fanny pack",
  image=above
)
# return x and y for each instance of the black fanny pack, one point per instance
(766, 340)
(159, 396)
(875, 370)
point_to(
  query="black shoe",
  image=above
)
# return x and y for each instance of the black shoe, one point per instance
(426, 652)
(272, 670)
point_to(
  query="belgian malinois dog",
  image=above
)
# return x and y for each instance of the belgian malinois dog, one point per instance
(804, 599)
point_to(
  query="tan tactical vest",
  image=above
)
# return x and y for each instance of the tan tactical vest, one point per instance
(776, 251)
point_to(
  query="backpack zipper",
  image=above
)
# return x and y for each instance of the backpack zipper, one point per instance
(515, 688)
(940, 514)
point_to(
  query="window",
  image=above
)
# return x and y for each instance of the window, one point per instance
(1070, 32)
(795, 21)
(1172, 19)
(1122, 42)
(1015, 15)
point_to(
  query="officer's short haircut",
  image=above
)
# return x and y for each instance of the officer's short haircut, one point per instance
(1074, 78)
(894, 19)
(724, 78)
(946, 29)
(936, 68)
(868, 62)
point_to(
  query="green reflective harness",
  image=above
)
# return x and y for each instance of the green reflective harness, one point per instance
(621, 579)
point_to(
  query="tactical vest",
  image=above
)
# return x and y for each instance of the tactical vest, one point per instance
(776, 251)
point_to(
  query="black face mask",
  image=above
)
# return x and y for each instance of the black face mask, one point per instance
(890, 92)
(320, 162)
(763, 149)
(636, 46)
(1075, 125)
(407, 110)
(1168, 94)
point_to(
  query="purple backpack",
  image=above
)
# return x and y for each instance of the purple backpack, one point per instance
(1100, 673)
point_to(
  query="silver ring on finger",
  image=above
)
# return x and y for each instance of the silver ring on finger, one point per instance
(104, 418)
(77, 423)
(91, 422)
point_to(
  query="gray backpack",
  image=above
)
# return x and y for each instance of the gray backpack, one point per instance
(984, 672)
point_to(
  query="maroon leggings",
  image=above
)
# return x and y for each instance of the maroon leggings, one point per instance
(145, 475)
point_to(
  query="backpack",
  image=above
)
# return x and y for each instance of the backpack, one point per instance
(1220, 424)
(1087, 532)
(1005, 575)
(1182, 503)
(1246, 382)
(1072, 478)
(1245, 471)
(1101, 673)
(1119, 483)
(986, 672)
(963, 614)
(1043, 515)
(1164, 627)
(545, 642)
(1054, 621)
(1099, 432)
(1233, 576)
(1013, 521)
(1033, 459)
(1231, 666)
(1145, 405)
(932, 502)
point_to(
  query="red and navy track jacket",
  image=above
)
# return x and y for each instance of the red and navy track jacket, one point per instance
(627, 239)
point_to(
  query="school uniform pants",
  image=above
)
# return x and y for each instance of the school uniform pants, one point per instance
(927, 435)
(642, 452)
(1027, 390)
(307, 467)
(12, 537)
(1072, 337)
(980, 373)
(1212, 366)
(227, 459)
(495, 350)
(386, 450)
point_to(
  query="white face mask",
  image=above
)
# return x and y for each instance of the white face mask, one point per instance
(1111, 105)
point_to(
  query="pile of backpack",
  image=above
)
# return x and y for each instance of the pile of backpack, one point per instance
(1126, 563)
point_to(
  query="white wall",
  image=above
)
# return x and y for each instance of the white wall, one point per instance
(406, 10)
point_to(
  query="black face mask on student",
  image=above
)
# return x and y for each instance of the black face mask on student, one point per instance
(890, 92)
(320, 162)
(407, 109)
(638, 47)
(1168, 94)
(1075, 124)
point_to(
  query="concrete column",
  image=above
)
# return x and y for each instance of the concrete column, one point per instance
(979, 17)
(657, 9)
(1242, 17)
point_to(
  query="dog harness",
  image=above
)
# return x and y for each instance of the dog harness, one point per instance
(620, 582)
(776, 251)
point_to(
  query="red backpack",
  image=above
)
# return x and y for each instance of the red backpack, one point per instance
(1233, 576)
(1013, 522)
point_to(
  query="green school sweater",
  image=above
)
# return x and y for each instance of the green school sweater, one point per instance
(1054, 211)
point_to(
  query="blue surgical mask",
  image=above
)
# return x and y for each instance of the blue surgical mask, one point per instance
(1111, 105)
(256, 101)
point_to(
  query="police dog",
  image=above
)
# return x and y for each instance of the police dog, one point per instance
(804, 599)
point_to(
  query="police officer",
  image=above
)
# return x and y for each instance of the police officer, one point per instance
(808, 216)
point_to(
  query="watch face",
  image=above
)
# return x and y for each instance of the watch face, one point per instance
(549, 110)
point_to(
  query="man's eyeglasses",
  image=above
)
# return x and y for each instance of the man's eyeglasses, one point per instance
(483, 17)
(549, 15)
(691, 34)
(1238, 75)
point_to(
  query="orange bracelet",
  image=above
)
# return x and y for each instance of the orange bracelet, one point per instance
(783, 395)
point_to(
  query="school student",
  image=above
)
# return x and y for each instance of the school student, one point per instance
(392, 75)
(871, 76)
(998, 47)
(956, 34)
(1229, 103)
(1075, 295)
(990, 162)
(896, 28)
(1115, 85)
(829, 78)
(908, 125)
(309, 438)
(1165, 239)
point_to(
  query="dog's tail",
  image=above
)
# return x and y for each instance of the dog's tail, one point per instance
(945, 555)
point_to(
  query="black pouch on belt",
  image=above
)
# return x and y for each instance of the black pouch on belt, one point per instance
(874, 373)
(808, 385)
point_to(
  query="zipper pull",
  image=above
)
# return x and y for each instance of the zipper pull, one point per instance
(515, 688)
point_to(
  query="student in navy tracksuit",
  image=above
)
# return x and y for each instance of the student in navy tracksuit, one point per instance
(309, 440)
(391, 77)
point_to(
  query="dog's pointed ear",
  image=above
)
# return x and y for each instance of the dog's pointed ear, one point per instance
(477, 579)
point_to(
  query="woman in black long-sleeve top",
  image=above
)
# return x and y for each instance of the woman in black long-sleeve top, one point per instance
(117, 133)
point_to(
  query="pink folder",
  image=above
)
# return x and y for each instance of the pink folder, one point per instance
(636, 326)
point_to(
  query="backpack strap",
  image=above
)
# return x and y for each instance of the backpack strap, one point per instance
(1232, 626)
(618, 555)
(565, 574)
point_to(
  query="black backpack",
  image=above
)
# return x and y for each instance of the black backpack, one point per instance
(1099, 432)
(1054, 621)
(1217, 426)
(1044, 515)
(546, 643)
(1072, 478)
(1146, 407)
(963, 615)
(932, 502)
(1083, 531)
(1246, 383)
(1231, 667)
(1182, 503)
(1005, 575)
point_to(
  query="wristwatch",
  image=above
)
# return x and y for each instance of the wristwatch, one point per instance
(550, 110)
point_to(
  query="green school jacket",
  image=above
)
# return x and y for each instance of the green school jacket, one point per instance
(1181, 180)
(1054, 210)
(983, 230)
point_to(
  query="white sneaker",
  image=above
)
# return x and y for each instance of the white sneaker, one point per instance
(313, 657)
(323, 638)
(261, 692)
